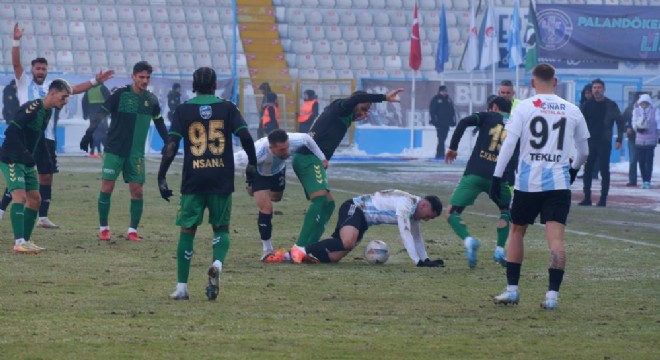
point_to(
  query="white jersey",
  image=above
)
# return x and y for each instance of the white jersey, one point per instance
(269, 164)
(395, 207)
(548, 128)
(28, 90)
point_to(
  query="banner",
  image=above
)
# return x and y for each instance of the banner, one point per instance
(396, 114)
(597, 33)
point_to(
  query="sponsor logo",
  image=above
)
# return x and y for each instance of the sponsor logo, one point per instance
(555, 29)
(207, 163)
(109, 171)
(538, 103)
(205, 112)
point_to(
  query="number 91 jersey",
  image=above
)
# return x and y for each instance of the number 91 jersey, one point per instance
(206, 124)
(548, 128)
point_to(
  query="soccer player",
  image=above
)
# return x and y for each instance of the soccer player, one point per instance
(206, 124)
(270, 180)
(131, 109)
(34, 86)
(17, 161)
(383, 207)
(477, 176)
(328, 130)
(548, 128)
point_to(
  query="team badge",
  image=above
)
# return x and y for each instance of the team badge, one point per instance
(205, 112)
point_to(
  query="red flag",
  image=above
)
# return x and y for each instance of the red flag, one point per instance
(415, 59)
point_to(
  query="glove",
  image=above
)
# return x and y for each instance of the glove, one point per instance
(573, 174)
(428, 263)
(165, 191)
(86, 142)
(495, 188)
(250, 174)
(27, 159)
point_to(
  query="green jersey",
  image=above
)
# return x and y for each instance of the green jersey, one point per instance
(130, 115)
(24, 134)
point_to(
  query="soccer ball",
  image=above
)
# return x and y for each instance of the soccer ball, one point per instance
(377, 252)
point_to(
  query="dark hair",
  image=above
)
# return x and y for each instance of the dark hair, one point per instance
(310, 94)
(436, 204)
(204, 81)
(503, 104)
(442, 88)
(141, 66)
(271, 97)
(265, 87)
(39, 61)
(597, 81)
(506, 83)
(176, 86)
(544, 72)
(60, 85)
(583, 99)
(277, 136)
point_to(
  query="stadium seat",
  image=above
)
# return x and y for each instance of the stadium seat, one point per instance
(182, 43)
(398, 18)
(393, 62)
(217, 45)
(213, 30)
(390, 48)
(344, 4)
(356, 47)
(196, 30)
(83, 70)
(362, 73)
(94, 28)
(327, 4)
(314, 17)
(375, 62)
(29, 42)
(379, 74)
(26, 25)
(159, 14)
(367, 33)
(341, 62)
(46, 42)
(179, 30)
(401, 33)
(149, 43)
(185, 59)
(199, 44)
(28, 54)
(297, 32)
(339, 47)
(364, 18)
(321, 47)
(99, 59)
(92, 13)
(350, 33)
(110, 29)
(372, 48)
(142, 14)
(310, 3)
(220, 60)
(168, 59)
(193, 15)
(358, 62)
(151, 57)
(345, 74)
(166, 43)
(428, 63)
(308, 74)
(23, 12)
(109, 13)
(382, 19)
(306, 61)
(427, 48)
(113, 43)
(131, 43)
(81, 58)
(79, 42)
(74, 13)
(128, 29)
(430, 18)
(126, 14)
(42, 27)
(465, 5)
(40, 12)
(133, 57)
(333, 33)
(202, 59)
(383, 33)
(7, 11)
(427, 5)
(143, 29)
(377, 4)
(64, 58)
(303, 46)
(327, 74)
(176, 14)
(290, 59)
(162, 30)
(347, 18)
(456, 48)
(317, 33)
(323, 61)
(330, 17)
(404, 47)
(295, 16)
(396, 74)
(97, 43)
(210, 16)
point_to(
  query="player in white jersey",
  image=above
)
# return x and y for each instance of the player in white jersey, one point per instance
(34, 86)
(549, 129)
(356, 215)
(270, 180)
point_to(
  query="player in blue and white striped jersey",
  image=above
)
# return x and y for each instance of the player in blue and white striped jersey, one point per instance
(270, 181)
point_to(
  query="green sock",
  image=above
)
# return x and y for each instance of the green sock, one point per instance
(29, 218)
(17, 212)
(328, 209)
(220, 245)
(104, 208)
(184, 254)
(503, 233)
(457, 224)
(312, 221)
(136, 212)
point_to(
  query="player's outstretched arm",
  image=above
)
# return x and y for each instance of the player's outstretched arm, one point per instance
(393, 96)
(169, 153)
(99, 78)
(16, 52)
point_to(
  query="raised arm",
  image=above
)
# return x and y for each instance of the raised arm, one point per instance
(99, 78)
(16, 52)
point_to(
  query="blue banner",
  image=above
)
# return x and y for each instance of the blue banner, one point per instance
(597, 33)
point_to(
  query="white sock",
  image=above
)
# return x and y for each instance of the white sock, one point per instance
(267, 245)
(554, 295)
(301, 248)
(512, 288)
(41, 218)
(131, 230)
(182, 287)
(20, 241)
(101, 228)
(499, 248)
(218, 264)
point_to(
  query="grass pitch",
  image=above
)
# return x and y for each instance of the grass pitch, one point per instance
(88, 300)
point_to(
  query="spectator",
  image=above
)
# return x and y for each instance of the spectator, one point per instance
(10, 104)
(308, 111)
(270, 115)
(630, 132)
(91, 104)
(644, 119)
(585, 95)
(265, 90)
(173, 100)
(443, 116)
(506, 91)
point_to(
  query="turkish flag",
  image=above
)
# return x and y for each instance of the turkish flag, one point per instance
(415, 59)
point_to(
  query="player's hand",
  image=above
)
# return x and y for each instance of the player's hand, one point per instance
(573, 174)
(86, 142)
(495, 189)
(18, 32)
(450, 156)
(393, 96)
(250, 173)
(104, 75)
(325, 164)
(165, 191)
(27, 159)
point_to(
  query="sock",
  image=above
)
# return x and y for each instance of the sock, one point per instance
(503, 233)
(20, 241)
(265, 225)
(184, 254)
(512, 273)
(322, 249)
(45, 191)
(17, 212)
(457, 224)
(512, 288)
(6, 199)
(555, 277)
(182, 287)
(312, 220)
(104, 208)
(29, 218)
(328, 209)
(552, 295)
(267, 245)
(217, 264)
(136, 212)
(220, 245)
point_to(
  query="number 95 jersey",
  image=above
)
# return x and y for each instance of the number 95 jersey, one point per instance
(548, 128)
(206, 124)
